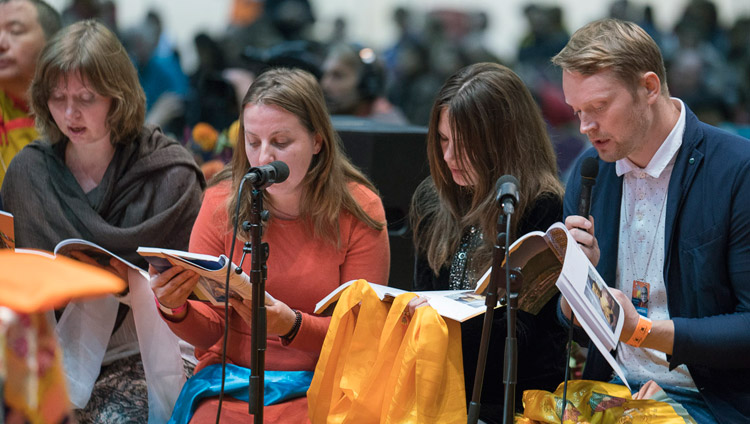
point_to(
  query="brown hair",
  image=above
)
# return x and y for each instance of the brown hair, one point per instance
(325, 186)
(621, 46)
(94, 52)
(497, 129)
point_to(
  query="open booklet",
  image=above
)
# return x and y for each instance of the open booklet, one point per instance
(597, 310)
(93, 250)
(212, 269)
(458, 305)
(553, 259)
(540, 256)
(546, 262)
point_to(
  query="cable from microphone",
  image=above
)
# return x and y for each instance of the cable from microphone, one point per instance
(507, 193)
(265, 175)
(589, 171)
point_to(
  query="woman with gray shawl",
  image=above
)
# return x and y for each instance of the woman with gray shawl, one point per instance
(99, 174)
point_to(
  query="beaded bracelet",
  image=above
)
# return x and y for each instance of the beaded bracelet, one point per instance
(170, 311)
(642, 330)
(288, 337)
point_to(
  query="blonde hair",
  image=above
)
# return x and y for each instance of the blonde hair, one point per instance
(621, 46)
(497, 129)
(325, 189)
(94, 52)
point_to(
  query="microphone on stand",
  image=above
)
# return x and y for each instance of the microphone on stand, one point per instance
(506, 197)
(265, 175)
(260, 177)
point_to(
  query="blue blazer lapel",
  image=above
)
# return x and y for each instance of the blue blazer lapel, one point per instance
(605, 209)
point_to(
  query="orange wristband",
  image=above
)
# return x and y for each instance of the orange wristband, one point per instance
(642, 330)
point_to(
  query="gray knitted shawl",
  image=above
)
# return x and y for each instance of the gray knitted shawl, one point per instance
(150, 196)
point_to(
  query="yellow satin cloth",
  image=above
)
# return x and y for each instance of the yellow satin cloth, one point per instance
(595, 402)
(378, 365)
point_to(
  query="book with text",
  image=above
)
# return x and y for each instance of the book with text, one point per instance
(212, 271)
(553, 259)
(540, 256)
(101, 255)
(589, 297)
(458, 305)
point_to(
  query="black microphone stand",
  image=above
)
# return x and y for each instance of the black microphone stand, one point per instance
(258, 273)
(512, 279)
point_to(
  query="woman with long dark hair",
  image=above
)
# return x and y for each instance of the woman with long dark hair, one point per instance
(485, 124)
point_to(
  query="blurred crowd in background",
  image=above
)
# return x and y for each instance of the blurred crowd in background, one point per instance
(708, 66)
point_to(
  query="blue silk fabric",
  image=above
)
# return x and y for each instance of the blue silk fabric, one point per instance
(278, 386)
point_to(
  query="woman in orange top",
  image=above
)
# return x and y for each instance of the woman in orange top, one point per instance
(326, 227)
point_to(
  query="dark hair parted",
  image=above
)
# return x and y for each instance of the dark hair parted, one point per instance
(49, 18)
(497, 129)
(92, 51)
(621, 46)
(325, 191)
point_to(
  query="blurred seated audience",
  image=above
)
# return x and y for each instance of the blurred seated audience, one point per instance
(160, 75)
(212, 99)
(353, 84)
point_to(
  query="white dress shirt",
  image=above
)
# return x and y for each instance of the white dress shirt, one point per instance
(640, 254)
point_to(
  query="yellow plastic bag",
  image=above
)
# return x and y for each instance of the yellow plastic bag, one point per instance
(595, 402)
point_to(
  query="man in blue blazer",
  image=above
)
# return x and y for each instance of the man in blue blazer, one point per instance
(672, 209)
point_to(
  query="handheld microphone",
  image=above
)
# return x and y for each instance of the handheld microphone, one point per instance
(265, 175)
(589, 171)
(507, 193)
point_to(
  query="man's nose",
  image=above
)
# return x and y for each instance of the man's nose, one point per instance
(587, 124)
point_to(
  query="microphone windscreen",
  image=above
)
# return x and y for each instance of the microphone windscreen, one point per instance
(590, 168)
(506, 186)
(507, 179)
(282, 170)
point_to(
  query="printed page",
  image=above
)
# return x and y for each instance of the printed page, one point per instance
(598, 312)
(592, 296)
(384, 293)
(98, 253)
(540, 265)
(213, 271)
(458, 305)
